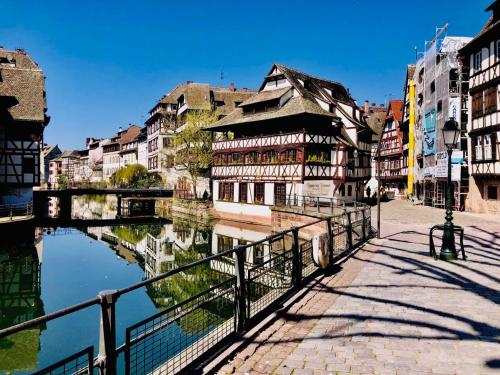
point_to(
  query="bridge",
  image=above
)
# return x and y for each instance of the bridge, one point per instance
(41, 196)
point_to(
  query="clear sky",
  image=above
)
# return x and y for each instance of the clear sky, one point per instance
(108, 62)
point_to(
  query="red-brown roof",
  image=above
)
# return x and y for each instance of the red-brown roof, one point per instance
(395, 110)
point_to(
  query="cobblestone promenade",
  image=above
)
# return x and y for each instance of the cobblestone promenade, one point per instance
(392, 309)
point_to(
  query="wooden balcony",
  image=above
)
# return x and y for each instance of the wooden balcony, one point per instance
(275, 140)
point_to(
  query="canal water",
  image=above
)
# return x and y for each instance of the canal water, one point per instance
(46, 269)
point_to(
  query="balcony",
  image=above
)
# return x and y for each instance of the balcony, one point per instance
(273, 140)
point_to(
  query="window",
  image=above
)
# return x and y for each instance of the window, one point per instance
(349, 190)
(477, 105)
(243, 189)
(478, 148)
(477, 61)
(433, 87)
(224, 243)
(259, 193)
(497, 45)
(492, 192)
(28, 164)
(258, 254)
(440, 106)
(342, 190)
(488, 150)
(226, 191)
(280, 194)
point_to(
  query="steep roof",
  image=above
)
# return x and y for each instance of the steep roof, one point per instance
(198, 96)
(22, 85)
(395, 110)
(304, 100)
(295, 106)
(315, 86)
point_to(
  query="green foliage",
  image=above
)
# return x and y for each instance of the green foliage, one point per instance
(194, 144)
(62, 181)
(135, 176)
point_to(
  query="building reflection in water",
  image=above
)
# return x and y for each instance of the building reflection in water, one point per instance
(20, 300)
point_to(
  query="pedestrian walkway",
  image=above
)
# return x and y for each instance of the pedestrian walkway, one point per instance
(391, 309)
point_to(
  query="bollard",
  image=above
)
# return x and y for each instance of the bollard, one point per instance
(317, 203)
(241, 309)
(107, 332)
(296, 260)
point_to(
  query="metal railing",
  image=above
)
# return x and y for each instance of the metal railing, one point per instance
(18, 209)
(315, 204)
(249, 284)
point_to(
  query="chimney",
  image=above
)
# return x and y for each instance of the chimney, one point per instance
(366, 106)
(120, 129)
(189, 82)
(231, 87)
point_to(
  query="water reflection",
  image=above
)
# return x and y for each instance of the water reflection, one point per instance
(20, 300)
(84, 261)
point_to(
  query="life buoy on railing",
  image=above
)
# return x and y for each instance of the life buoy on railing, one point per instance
(320, 248)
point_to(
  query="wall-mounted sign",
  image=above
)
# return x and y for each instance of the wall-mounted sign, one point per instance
(441, 170)
(454, 110)
(318, 188)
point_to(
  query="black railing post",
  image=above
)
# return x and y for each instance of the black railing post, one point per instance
(317, 203)
(363, 225)
(331, 206)
(296, 260)
(349, 231)
(330, 240)
(107, 332)
(241, 309)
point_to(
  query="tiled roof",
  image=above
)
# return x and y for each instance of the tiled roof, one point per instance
(296, 105)
(265, 96)
(23, 82)
(307, 90)
(396, 107)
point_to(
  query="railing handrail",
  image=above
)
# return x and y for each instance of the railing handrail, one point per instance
(106, 299)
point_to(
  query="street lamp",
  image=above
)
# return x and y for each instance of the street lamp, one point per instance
(451, 133)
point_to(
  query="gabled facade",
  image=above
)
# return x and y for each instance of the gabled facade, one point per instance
(168, 118)
(296, 137)
(482, 59)
(112, 152)
(48, 153)
(22, 121)
(394, 150)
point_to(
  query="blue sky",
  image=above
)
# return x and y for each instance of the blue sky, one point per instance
(108, 62)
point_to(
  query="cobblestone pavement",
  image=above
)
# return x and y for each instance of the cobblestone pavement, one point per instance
(393, 310)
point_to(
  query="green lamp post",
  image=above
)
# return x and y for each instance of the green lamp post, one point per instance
(451, 132)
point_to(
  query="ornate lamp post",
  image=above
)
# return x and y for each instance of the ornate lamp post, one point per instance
(356, 163)
(450, 136)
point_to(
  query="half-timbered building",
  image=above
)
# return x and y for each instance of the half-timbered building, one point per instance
(168, 117)
(296, 137)
(22, 121)
(394, 150)
(482, 57)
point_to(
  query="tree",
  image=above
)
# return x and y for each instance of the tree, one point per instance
(129, 176)
(62, 182)
(194, 145)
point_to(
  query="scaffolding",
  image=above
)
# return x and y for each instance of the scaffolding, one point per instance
(441, 93)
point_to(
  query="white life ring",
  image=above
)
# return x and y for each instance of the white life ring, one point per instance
(320, 250)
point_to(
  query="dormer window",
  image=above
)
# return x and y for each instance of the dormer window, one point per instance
(180, 101)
